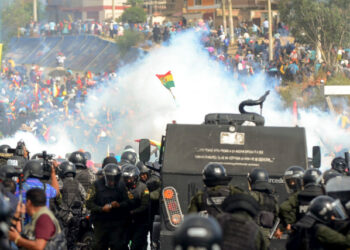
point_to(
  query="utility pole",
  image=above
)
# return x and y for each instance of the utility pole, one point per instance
(270, 30)
(230, 21)
(113, 10)
(224, 16)
(35, 12)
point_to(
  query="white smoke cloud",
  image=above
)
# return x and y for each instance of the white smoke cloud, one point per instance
(202, 86)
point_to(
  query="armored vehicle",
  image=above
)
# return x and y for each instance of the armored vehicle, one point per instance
(229, 139)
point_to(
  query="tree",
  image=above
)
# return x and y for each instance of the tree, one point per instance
(324, 24)
(130, 39)
(134, 15)
(16, 14)
(135, 3)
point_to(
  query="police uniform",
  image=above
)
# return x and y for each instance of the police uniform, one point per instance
(139, 226)
(297, 204)
(312, 235)
(109, 228)
(263, 193)
(86, 177)
(210, 198)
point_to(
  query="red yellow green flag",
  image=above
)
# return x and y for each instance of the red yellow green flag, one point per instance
(167, 80)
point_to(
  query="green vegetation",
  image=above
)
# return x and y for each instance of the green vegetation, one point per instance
(16, 14)
(323, 22)
(130, 39)
(134, 15)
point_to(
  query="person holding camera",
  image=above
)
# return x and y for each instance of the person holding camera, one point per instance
(34, 173)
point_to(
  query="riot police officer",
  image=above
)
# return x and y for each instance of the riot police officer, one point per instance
(108, 202)
(138, 194)
(216, 189)
(84, 175)
(240, 230)
(152, 180)
(296, 206)
(70, 201)
(208, 236)
(312, 231)
(128, 157)
(339, 164)
(264, 193)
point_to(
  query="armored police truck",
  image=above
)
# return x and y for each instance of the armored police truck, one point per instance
(229, 139)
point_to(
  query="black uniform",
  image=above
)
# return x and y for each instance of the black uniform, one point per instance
(139, 226)
(109, 228)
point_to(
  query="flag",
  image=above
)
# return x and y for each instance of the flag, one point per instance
(0, 54)
(167, 80)
(55, 91)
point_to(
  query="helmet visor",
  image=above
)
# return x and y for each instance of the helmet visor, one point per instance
(292, 184)
(130, 181)
(111, 181)
(338, 210)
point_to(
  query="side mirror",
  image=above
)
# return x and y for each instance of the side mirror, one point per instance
(316, 156)
(144, 150)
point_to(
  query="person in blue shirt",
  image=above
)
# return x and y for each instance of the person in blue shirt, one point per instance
(34, 175)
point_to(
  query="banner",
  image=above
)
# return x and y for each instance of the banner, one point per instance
(0, 54)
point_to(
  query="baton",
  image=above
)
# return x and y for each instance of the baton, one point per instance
(274, 228)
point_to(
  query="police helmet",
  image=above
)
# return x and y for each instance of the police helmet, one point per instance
(312, 176)
(143, 169)
(329, 174)
(258, 175)
(4, 148)
(67, 168)
(198, 232)
(293, 178)
(324, 208)
(109, 159)
(78, 159)
(214, 174)
(34, 168)
(128, 157)
(130, 175)
(339, 164)
(111, 174)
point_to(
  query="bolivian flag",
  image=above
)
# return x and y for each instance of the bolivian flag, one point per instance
(167, 80)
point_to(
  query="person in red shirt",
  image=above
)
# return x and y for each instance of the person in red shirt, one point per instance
(43, 227)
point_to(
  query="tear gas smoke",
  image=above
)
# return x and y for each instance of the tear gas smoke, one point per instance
(144, 107)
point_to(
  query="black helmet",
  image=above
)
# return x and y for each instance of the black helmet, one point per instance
(329, 174)
(111, 174)
(324, 208)
(34, 168)
(66, 168)
(312, 176)
(131, 175)
(109, 159)
(143, 169)
(128, 157)
(214, 174)
(197, 231)
(293, 178)
(258, 175)
(78, 159)
(4, 148)
(339, 164)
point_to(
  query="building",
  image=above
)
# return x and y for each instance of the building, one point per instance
(242, 10)
(98, 10)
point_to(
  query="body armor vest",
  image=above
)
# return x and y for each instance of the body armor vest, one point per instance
(213, 198)
(70, 192)
(238, 233)
(305, 197)
(83, 176)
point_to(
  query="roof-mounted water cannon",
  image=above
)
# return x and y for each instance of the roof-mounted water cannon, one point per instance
(243, 117)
